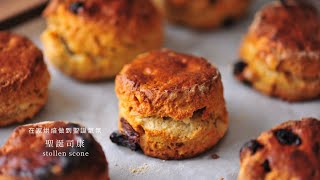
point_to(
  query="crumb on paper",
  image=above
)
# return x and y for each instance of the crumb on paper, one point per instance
(139, 170)
(215, 156)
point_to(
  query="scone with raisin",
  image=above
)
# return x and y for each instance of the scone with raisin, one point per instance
(92, 40)
(280, 55)
(288, 151)
(171, 105)
(29, 154)
(203, 14)
(24, 79)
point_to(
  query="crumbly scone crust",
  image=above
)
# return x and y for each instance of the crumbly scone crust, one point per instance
(274, 155)
(173, 104)
(281, 51)
(24, 79)
(96, 42)
(25, 150)
(169, 84)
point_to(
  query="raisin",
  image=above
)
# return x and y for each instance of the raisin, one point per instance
(76, 6)
(238, 67)
(284, 3)
(266, 166)
(228, 21)
(287, 137)
(247, 83)
(212, 1)
(123, 140)
(253, 145)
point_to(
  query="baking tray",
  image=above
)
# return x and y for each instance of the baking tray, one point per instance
(95, 105)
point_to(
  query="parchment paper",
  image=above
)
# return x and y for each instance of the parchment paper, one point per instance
(95, 105)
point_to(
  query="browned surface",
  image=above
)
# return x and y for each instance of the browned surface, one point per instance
(282, 50)
(170, 84)
(285, 161)
(286, 39)
(24, 79)
(18, 59)
(296, 26)
(21, 156)
(173, 103)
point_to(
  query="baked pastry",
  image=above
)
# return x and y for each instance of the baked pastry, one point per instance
(28, 154)
(288, 151)
(203, 14)
(280, 55)
(92, 40)
(171, 105)
(24, 79)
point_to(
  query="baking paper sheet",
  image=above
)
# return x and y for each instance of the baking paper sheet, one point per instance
(95, 105)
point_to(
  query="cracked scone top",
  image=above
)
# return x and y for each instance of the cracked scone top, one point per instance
(172, 102)
(280, 55)
(92, 40)
(290, 150)
(24, 79)
(22, 156)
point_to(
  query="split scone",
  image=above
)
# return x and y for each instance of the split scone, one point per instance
(203, 14)
(24, 79)
(288, 151)
(93, 40)
(29, 155)
(171, 105)
(280, 55)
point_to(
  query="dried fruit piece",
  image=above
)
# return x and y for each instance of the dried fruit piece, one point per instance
(228, 21)
(287, 137)
(252, 145)
(238, 67)
(266, 166)
(123, 140)
(76, 6)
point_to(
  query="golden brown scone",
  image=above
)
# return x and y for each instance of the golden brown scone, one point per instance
(26, 156)
(203, 14)
(171, 105)
(287, 152)
(93, 40)
(24, 79)
(280, 55)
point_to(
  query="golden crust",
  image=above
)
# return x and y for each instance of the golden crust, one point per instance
(95, 40)
(171, 104)
(24, 79)
(282, 52)
(203, 14)
(170, 84)
(283, 39)
(288, 151)
(26, 151)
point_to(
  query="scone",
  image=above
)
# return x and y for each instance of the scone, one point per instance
(287, 152)
(203, 14)
(171, 105)
(41, 151)
(24, 79)
(280, 55)
(93, 40)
